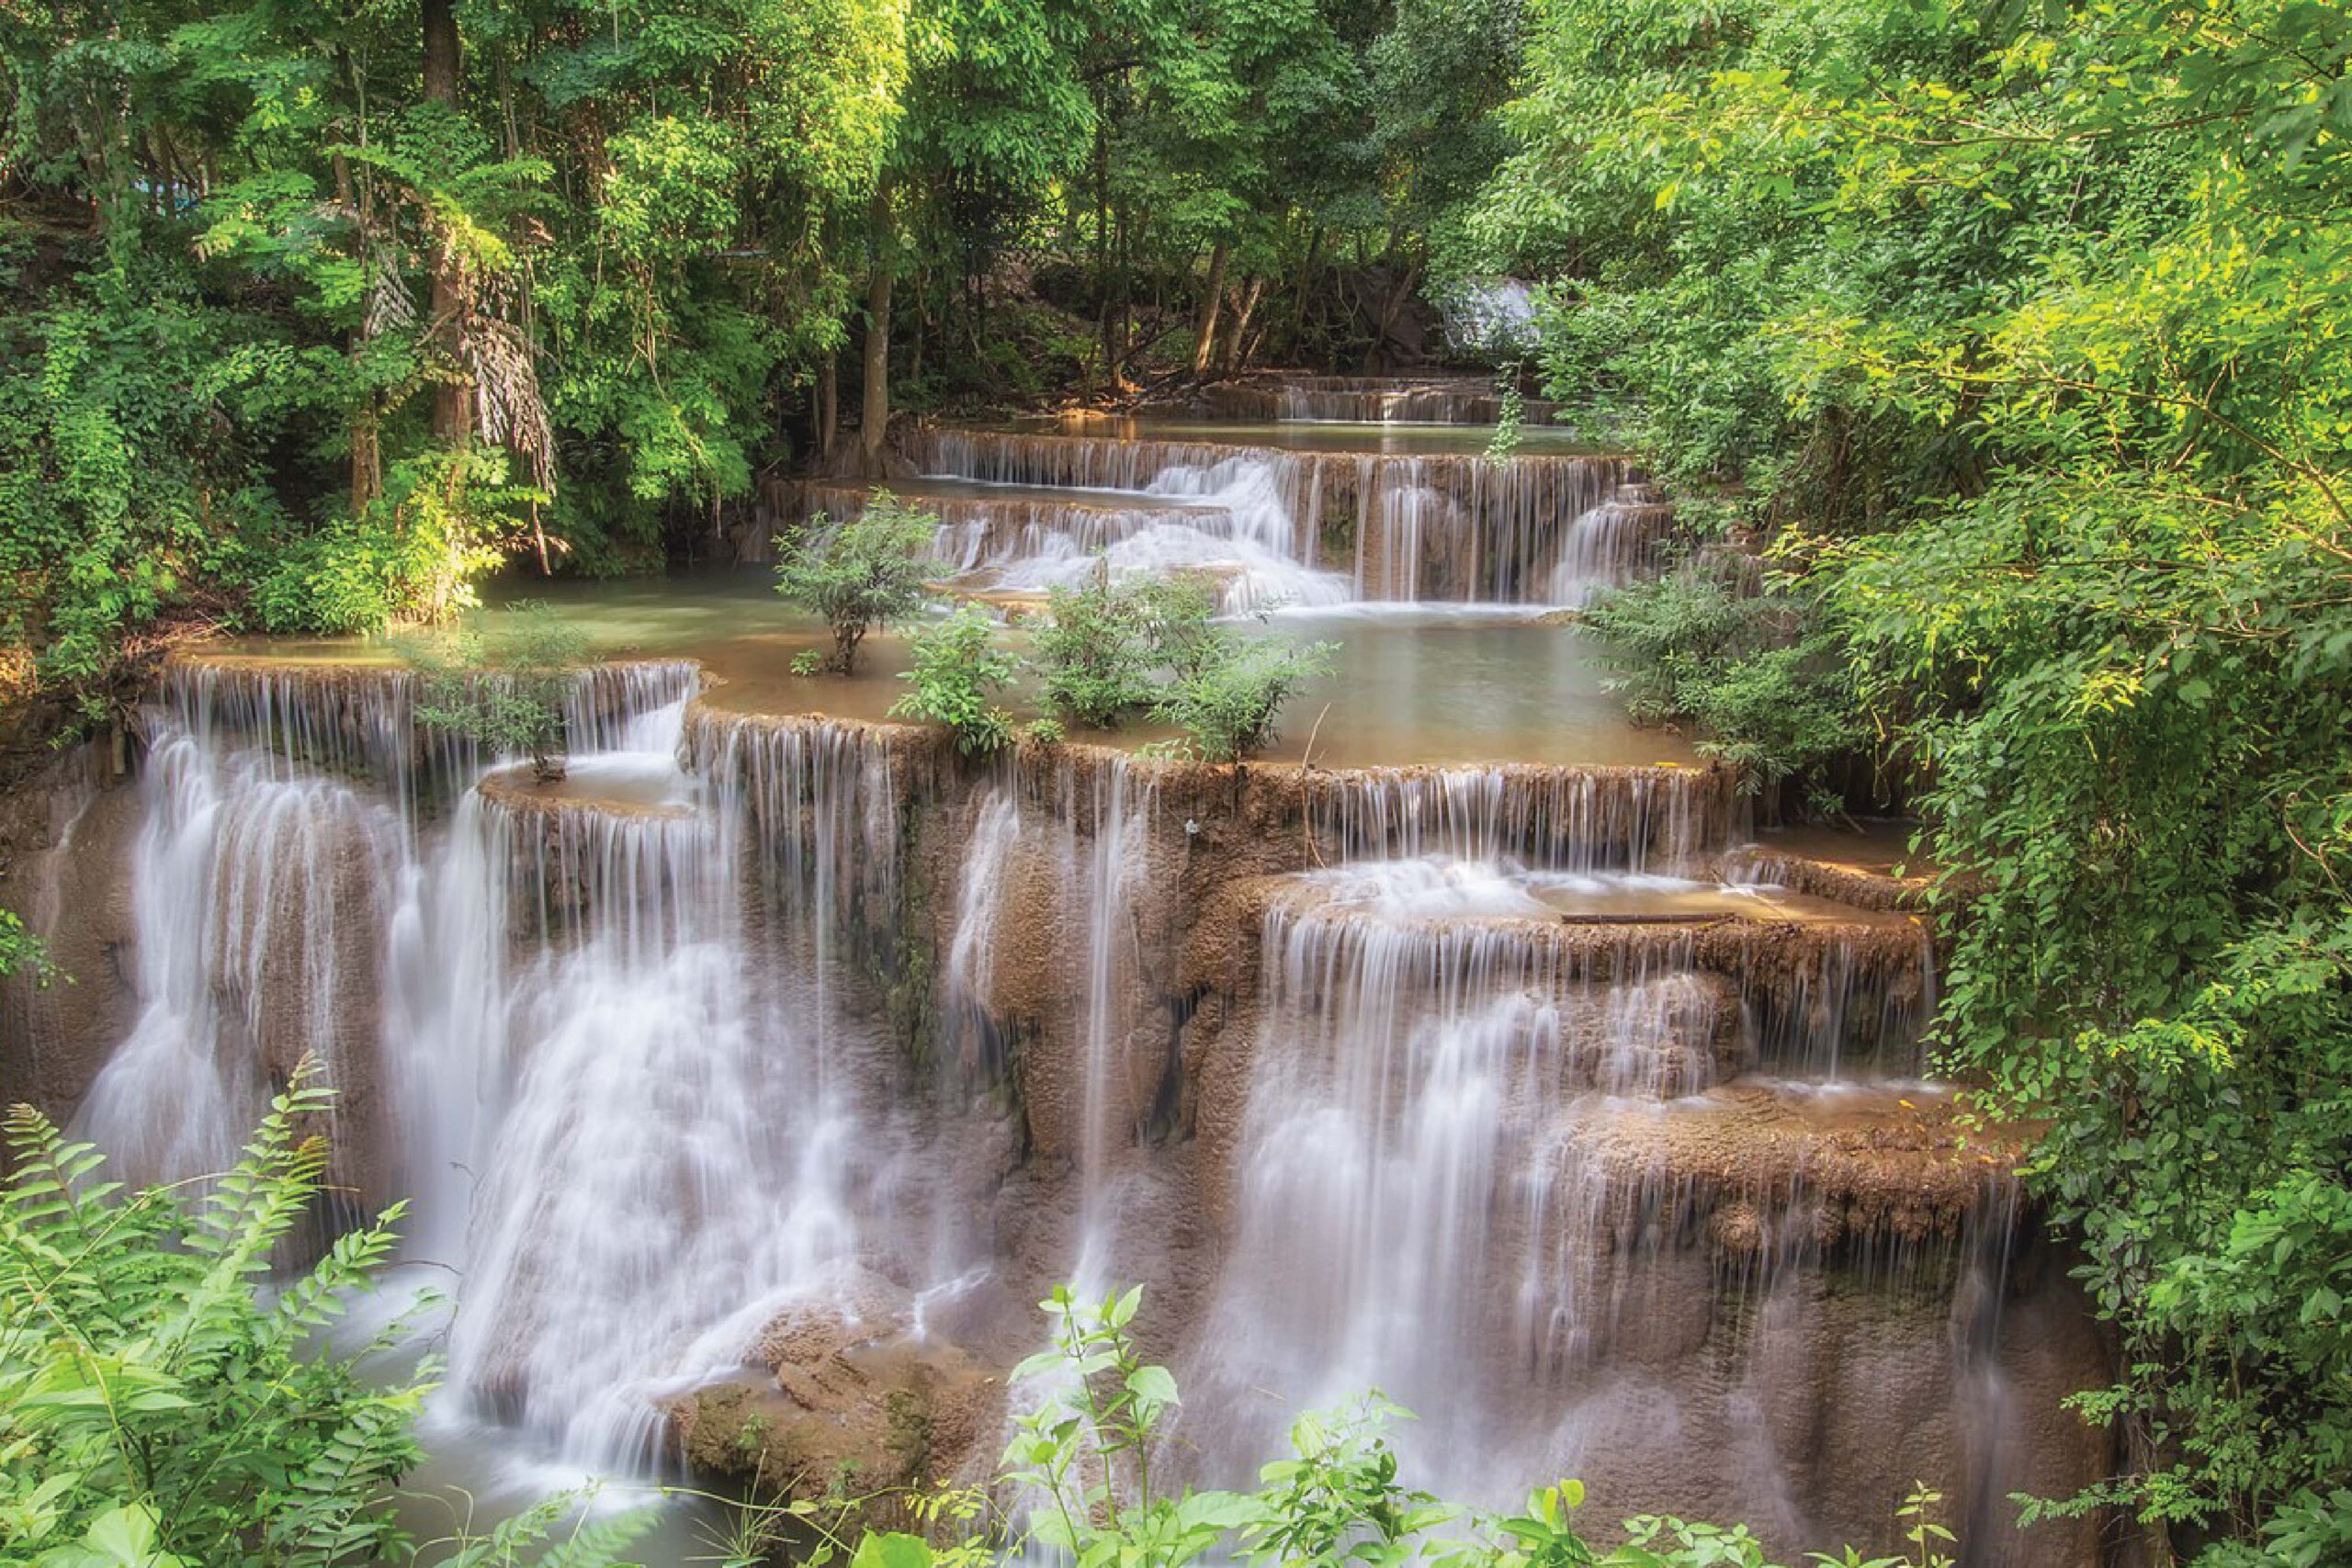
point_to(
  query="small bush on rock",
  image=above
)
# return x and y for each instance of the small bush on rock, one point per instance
(506, 693)
(960, 665)
(1228, 702)
(861, 574)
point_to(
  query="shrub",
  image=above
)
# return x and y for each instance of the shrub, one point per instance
(959, 667)
(507, 693)
(1769, 687)
(22, 951)
(151, 1405)
(861, 574)
(1105, 643)
(1227, 700)
(1083, 1453)
(1092, 656)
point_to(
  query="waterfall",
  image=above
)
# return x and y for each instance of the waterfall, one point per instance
(1564, 818)
(259, 895)
(1477, 1144)
(667, 1170)
(1449, 527)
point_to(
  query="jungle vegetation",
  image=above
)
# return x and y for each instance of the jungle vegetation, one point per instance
(312, 314)
(2011, 337)
(2015, 337)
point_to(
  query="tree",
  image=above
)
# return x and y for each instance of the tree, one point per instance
(506, 694)
(861, 574)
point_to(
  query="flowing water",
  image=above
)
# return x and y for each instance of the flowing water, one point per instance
(771, 1051)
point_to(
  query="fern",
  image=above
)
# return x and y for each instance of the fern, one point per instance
(158, 1398)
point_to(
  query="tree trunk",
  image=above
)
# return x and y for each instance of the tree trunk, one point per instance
(1103, 244)
(1306, 290)
(915, 333)
(875, 419)
(1390, 307)
(828, 406)
(1212, 298)
(1251, 292)
(441, 64)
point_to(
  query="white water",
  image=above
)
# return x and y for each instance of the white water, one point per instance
(607, 1091)
(258, 923)
(1441, 1177)
(1536, 530)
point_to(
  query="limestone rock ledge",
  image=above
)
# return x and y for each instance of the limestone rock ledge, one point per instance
(845, 1402)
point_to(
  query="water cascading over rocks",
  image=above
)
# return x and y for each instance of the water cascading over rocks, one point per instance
(770, 1066)
(1579, 1192)
(1368, 399)
(756, 1079)
(1392, 527)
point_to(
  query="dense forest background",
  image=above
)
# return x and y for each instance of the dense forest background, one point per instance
(316, 313)
(2011, 336)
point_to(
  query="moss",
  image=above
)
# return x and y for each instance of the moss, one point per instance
(909, 1414)
(909, 996)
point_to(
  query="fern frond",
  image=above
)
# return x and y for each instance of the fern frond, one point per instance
(336, 1510)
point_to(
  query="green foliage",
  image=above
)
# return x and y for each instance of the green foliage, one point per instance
(960, 665)
(1094, 654)
(119, 498)
(1106, 647)
(1227, 698)
(504, 693)
(1770, 689)
(1511, 412)
(22, 952)
(2002, 320)
(166, 1401)
(1115, 649)
(861, 574)
(156, 1407)
(1090, 1407)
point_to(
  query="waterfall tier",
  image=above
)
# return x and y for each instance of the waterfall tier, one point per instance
(1368, 399)
(758, 1076)
(1456, 527)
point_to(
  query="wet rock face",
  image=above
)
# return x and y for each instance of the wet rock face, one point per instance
(65, 842)
(848, 1401)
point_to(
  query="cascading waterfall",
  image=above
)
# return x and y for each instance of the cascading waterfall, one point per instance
(608, 1065)
(982, 888)
(1466, 1163)
(1455, 527)
(1228, 523)
(667, 1170)
(1574, 819)
(260, 909)
(783, 1060)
